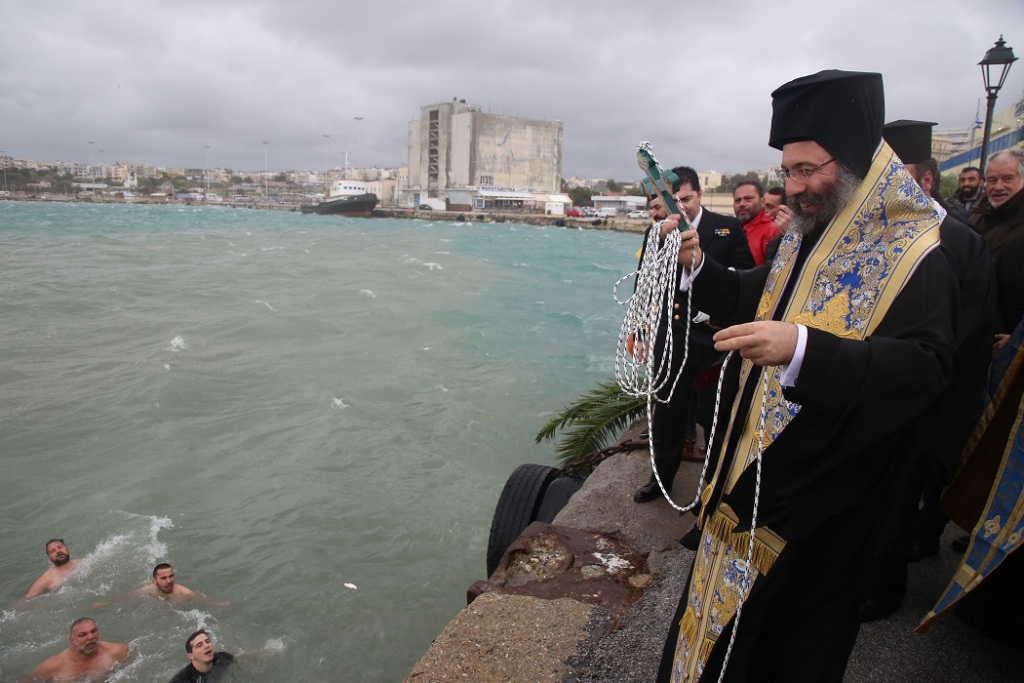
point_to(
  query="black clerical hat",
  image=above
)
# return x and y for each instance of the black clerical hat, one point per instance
(911, 140)
(842, 111)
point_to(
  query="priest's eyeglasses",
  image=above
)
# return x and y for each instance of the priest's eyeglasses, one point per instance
(802, 173)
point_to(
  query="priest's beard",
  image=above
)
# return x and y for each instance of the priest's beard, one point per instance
(831, 202)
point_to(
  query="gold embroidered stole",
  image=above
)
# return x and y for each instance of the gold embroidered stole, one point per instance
(850, 278)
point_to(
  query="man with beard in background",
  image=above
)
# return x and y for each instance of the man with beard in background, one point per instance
(845, 341)
(758, 225)
(54, 577)
(969, 191)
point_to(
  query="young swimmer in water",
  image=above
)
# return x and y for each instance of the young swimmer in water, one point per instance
(165, 587)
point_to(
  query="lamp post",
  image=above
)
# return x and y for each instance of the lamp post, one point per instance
(91, 173)
(999, 57)
(3, 161)
(266, 172)
(326, 163)
(359, 136)
(207, 174)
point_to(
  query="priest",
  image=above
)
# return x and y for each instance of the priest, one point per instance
(844, 340)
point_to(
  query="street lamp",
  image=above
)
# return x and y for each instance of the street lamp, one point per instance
(326, 166)
(1000, 57)
(266, 193)
(207, 148)
(91, 173)
(359, 136)
(3, 161)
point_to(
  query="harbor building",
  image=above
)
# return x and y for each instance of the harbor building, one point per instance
(957, 149)
(463, 158)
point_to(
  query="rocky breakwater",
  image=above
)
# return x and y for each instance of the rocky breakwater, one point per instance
(586, 598)
(589, 598)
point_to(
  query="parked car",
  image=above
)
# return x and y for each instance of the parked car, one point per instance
(425, 207)
(588, 210)
(573, 212)
(638, 213)
(607, 212)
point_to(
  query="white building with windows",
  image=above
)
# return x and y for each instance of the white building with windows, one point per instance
(476, 160)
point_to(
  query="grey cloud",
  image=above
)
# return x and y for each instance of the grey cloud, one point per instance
(155, 82)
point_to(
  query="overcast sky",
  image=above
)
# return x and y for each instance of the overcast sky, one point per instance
(155, 82)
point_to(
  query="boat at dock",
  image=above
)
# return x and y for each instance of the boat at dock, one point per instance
(347, 198)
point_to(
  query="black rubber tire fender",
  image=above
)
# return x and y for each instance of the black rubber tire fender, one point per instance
(517, 507)
(557, 495)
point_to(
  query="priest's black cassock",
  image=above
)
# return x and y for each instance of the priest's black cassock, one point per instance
(875, 300)
(859, 403)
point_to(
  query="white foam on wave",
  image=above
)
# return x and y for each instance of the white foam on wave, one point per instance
(339, 403)
(136, 662)
(443, 388)
(368, 292)
(105, 550)
(197, 617)
(433, 266)
(274, 646)
(155, 548)
(178, 344)
(259, 301)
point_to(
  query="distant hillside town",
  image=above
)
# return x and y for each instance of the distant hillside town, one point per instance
(460, 158)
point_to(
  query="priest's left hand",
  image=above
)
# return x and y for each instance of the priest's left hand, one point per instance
(765, 342)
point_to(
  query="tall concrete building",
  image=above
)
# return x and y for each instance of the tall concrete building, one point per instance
(464, 156)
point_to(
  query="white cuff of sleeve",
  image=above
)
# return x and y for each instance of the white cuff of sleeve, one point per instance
(791, 371)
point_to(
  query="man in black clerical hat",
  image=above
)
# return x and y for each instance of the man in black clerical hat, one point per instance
(844, 343)
(902, 533)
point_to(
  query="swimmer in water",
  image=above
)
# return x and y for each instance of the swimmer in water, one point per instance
(165, 587)
(87, 658)
(205, 665)
(54, 577)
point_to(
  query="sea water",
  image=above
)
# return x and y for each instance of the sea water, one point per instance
(311, 417)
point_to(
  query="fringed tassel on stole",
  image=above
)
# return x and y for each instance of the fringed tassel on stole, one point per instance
(705, 650)
(688, 625)
(767, 544)
(688, 631)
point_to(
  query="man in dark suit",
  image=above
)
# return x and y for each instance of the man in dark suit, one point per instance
(723, 237)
